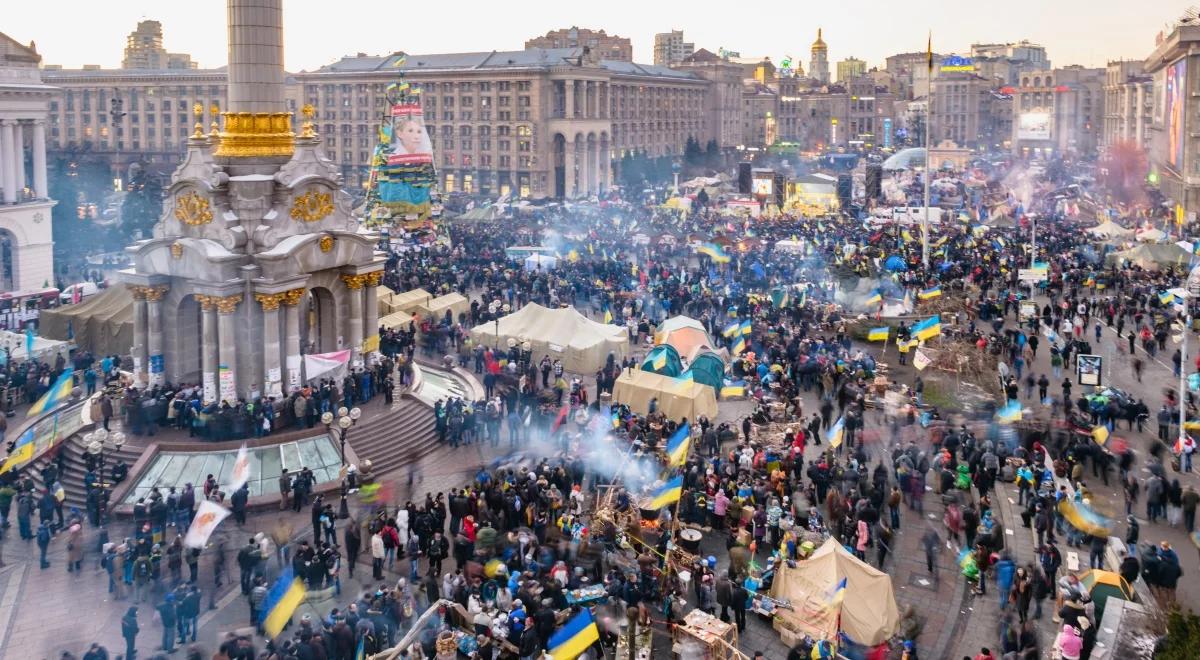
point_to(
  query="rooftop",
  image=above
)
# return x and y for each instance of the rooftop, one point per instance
(533, 58)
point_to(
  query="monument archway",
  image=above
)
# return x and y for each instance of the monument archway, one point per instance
(188, 356)
(321, 327)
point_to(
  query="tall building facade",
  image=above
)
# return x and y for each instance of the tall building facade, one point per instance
(851, 67)
(723, 101)
(609, 46)
(1174, 140)
(1128, 104)
(26, 238)
(1058, 111)
(533, 123)
(144, 50)
(670, 48)
(856, 115)
(818, 65)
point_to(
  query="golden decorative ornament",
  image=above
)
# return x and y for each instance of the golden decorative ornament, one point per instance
(307, 129)
(256, 134)
(155, 293)
(214, 110)
(206, 302)
(312, 206)
(177, 250)
(354, 282)
(374, 278)
(227, 304)
(292, 297)
(269, 301)
(192, 209)
(326, 243)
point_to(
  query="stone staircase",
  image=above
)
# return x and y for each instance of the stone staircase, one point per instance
(75, 464)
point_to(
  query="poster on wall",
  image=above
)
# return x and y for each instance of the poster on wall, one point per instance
(1174, 107)
(228, 390)
(210, 386)
(1033, 126)
(1089, 367)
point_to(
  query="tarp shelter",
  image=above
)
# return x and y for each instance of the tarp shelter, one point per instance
(582, 344)
(436, 309)
(868, 612)
(536, 262)
(44, 350)
(1151, 235)
(708, 368)
(1151, 256)
(667, 356)
(396, 320)
(410, 300)
(1102, 585)
(686, 335)
(102, 324)
(1110, 229)
(789, 245)
(383, 296)
(676, 398)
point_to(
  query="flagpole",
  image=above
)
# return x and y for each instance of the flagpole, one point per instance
(928, 159)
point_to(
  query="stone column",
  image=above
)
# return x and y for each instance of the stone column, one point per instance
(569, 99)
(291, 342)
(256, 79)
(155, 366)
(354, 320)
(371, 316)
(140, 341)
(209, 342)
(569, 169)
(227, 384)
(19, 156)
(272, 370)
(8, 175)
(39, 159)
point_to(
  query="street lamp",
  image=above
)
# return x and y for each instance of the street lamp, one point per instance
(346, 419)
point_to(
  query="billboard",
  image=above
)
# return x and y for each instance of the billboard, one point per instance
(1033, 126)
(1174, 107)
(403, 164)
(763, 185)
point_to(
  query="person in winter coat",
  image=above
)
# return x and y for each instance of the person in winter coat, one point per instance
(1068, 643)
(129, 630)
(74, 547)
(377, 555)
(353, 538)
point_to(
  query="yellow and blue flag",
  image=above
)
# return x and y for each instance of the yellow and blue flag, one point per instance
(668, 494)
(1100, 434)
(835, 433)
(874, 299)
(22, 451)
(930, 327)
(60, 391)
(930, 293)
(577, 636)
(678, 445)
(905, 235)
(714, 251)
(608, 317)
(838, 593)
(660, 360)
(747, 327)
(616, 420)
(281, 602)
(1166, 298)
(1010, 413)
(361, 653)
(731, 329)
(878, 334)
(728, 391)
(739, 346)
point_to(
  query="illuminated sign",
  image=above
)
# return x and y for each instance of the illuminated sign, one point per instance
(887, 132)
(957, 63)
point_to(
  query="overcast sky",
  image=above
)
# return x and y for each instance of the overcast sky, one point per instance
(1088, 32)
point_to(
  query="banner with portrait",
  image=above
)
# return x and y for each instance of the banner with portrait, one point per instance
(404, 162)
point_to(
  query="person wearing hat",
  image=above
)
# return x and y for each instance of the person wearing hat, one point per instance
(167, 614)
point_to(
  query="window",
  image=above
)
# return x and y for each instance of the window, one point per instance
(466, 144)
(464, 131)
(485, 144)
(525, 162)
(447, 143)
(504, 115)
(466, 101)
(504, 145)
(523, 145)
(523, 102)
(464, 115)
(504, 101)
(485, 86)
(504, 85)
(485, 115)
(524, 86)
(505, 162)
(485, 160)
(448, 101)
(447, 116)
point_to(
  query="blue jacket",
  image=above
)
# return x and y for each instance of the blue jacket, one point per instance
(1005, 570)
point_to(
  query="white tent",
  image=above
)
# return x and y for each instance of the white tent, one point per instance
(1151, 235)
(582, 344)
(1110, 229)
(540, 262)
(789, 245)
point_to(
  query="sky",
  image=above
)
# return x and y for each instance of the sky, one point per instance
(1087, 32)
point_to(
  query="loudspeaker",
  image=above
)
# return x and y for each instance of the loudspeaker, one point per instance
(874, 181)
(779, 189)
(845, 188)
(744, 178)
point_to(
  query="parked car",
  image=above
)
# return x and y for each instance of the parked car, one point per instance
(85, 289)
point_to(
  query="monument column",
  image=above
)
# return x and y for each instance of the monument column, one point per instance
(371, 316)
(227, 348)
(354, 321)
(291, 343)
(154, 334)
(256, 82)
(209, 342)
(39, 159)
(138, 351)
(272, 373)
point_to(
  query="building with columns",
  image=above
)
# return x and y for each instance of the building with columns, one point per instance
(257, 259)
(26, 239)
(1128, 104)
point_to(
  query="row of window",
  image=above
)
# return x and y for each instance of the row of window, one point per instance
(463, 86)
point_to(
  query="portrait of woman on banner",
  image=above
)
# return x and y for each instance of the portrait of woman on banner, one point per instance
(410, 143)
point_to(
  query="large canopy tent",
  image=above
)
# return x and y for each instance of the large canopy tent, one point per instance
(677, 398)
(1151, 256)
(101, 324)
(536, 262)
(1151, 235)
(582, 344)
(436, 309)
(396, 320)
(686, 335)
(868, 613)
(663, 359)
(1110, 229)
(383, 297)
(410, 300)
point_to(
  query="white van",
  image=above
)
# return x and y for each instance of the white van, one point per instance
(86, 289)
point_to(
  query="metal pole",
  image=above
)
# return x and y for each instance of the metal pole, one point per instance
(928, 181)
(1187, 324)
(1032, 240)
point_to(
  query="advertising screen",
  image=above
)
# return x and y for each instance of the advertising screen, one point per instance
(1033, 126)
(1176, 88)
(763, 185)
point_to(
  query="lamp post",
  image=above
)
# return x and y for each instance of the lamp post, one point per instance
(95, 447)
(346, 419)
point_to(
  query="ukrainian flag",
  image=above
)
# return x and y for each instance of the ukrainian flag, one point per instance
(875, 298)
(838, 594)
(835, 433)
(930, 293)
(608, 316)
(678, 445)
(728, 391)
(714, 251)
(616, 420)
(878, 334)
(1100, 434)
(747, 327)
(930, 327)
(1010, 413)
(570, 641)
(22, 451)
(660, 360)
(1166, 298)
(731, 329)
(668, 494)
(905, 235)
(281, 602)
(60, 391)
(739, 346)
